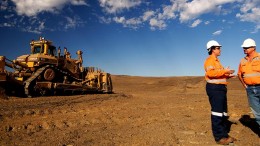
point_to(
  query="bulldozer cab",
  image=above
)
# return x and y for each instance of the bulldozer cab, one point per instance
(43, 47)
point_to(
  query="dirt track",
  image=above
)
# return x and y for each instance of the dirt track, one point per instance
(142, 111)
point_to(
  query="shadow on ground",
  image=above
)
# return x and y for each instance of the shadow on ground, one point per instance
(250, 123)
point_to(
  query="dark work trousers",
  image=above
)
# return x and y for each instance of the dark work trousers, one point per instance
(217, 94)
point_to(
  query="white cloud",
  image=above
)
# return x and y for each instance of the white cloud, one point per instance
(34, 7)
(248, 5)
(6, 25)
(169, 11)
(22, 14)
(119, 19)
(217, 32)
(71, 22)
(78, 2)
(115, 6)
(207, 22)
(195, 8)
(38, 29)
(250, 12)
(131, 23)
(186, 11)
(196, 23)
(181, 9)
(257, 27)
(9, 16)
(147, 15)
(103, 19)
(41, 26)
(155, 23)
(157, 19)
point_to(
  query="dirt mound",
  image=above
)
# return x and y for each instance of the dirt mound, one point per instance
(142, 111)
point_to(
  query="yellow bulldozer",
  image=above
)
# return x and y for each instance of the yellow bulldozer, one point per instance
(47, 71)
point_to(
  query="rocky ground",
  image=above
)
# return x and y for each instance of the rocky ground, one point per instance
(142, 111)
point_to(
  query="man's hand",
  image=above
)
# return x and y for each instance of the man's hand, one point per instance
(229, 71)
(231, 76)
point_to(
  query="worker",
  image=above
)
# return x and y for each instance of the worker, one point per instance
(80, 60)
(249, 75)
(216, 77)
(68, 56)
(65, 52)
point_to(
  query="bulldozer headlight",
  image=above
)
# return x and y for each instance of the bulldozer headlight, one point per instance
(33, 59)
(20, 59)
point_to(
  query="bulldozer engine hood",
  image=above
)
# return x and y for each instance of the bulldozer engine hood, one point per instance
(22, 58)
(36, 59)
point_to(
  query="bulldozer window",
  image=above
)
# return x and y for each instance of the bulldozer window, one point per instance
(37, 49)
(52, 51)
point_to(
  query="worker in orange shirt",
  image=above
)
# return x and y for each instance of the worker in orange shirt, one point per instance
(216, 76)
(249, 75)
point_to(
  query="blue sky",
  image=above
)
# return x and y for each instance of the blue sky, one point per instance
(133, 37)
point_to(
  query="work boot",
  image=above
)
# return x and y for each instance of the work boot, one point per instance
(224, 141)
(232, 139)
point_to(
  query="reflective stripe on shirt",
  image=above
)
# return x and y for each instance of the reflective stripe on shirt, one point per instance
(209, 68)
(256, 58)
(217, 80)
(251, 75)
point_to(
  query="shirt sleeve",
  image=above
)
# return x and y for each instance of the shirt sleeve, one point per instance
(239, 72)
(212, 71)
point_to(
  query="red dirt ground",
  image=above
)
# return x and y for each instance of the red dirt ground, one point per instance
(142, 111)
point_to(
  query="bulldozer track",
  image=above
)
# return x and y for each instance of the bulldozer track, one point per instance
(32, 78)
(28, 82)
(66, 73)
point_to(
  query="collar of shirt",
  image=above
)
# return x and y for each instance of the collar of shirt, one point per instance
(214, 57)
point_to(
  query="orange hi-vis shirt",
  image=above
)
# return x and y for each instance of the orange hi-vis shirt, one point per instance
(250, 70)
(214, 71)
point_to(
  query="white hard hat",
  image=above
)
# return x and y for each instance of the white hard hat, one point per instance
(212, 43)
(248, 43)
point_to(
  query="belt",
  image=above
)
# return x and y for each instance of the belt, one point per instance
(255, 85)
(219, 84)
